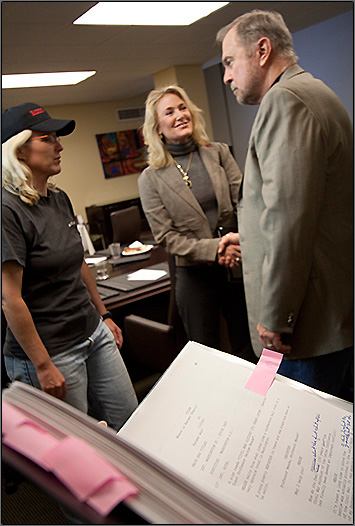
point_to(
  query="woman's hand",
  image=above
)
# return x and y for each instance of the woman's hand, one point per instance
(229, 253)
(116, 331)
(51, 379)
(98, 303)
(20, 321)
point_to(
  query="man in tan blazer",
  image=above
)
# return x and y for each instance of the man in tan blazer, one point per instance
(295, 206)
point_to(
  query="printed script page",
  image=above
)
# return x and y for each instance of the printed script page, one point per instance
(285, 457)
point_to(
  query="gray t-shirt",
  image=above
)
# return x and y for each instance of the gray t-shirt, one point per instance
(44, 240)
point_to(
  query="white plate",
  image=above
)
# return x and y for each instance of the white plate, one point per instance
(137, 252)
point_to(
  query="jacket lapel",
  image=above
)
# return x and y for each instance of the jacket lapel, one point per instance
(290, 72)
(211, 160)
(173, 179)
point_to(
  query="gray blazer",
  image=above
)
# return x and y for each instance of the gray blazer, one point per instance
(295, 217)
(176, 219)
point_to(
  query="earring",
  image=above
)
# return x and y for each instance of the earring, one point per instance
(161, 136)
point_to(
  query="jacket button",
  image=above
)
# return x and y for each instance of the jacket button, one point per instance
(290, 319)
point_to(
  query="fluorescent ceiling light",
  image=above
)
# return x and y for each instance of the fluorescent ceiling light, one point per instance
(148, 13)
(33, 80)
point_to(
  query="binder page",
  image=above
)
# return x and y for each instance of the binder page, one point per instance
(281, 458)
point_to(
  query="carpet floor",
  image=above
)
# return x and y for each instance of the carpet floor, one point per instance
(29, 505)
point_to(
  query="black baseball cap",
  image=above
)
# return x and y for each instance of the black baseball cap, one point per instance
(31, 116)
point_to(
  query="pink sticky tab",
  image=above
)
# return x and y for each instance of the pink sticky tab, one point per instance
(11, 417)
(31, 441)
(264, 372)
(111, 494)
(81, 468)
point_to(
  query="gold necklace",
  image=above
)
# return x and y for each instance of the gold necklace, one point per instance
(185, 175)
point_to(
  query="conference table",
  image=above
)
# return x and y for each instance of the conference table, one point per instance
(127, 265)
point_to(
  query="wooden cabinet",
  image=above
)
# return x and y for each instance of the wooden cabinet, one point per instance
(101, 214)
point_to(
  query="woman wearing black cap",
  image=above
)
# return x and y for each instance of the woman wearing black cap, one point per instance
(60, 337)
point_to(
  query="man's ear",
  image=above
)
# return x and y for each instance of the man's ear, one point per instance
(264, 49)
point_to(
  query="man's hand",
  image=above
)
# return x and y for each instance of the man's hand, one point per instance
(116, 331)
(272, 340)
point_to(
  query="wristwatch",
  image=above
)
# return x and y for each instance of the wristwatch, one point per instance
(107, 314)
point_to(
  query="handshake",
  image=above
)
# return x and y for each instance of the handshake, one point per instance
(228, 253)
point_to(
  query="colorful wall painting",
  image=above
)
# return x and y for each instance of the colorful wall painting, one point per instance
(122, 152)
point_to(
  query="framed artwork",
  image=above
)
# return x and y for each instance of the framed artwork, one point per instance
(122, 152)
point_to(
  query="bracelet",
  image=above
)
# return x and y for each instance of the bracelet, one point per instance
(107, 314)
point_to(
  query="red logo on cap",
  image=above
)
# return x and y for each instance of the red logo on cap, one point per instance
(37, 111)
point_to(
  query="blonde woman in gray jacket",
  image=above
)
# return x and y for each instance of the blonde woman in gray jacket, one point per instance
(189, 194)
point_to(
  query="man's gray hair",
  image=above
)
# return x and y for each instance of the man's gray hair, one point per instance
(252, 26)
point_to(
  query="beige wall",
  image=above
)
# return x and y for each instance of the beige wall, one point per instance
(82, 175)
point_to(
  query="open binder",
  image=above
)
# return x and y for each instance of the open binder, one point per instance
(202, 449)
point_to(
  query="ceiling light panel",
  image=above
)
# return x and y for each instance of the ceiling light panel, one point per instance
(31, 80)
(148, 13)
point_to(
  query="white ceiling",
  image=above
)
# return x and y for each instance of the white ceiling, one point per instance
(40, 37)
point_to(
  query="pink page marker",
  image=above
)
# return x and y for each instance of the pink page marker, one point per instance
(264, 372)
(88, 475)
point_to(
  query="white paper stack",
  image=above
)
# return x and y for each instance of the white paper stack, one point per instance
(203, 449)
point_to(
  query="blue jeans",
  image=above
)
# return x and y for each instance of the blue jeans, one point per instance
(96, 377)
(331, 373)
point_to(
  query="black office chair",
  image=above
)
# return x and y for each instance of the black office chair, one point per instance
(152, 345)
(96, 235)
(126, 225)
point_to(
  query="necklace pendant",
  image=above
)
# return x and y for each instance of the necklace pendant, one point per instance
(187, 181)
(185, 175)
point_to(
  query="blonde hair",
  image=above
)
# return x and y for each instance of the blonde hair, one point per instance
(16, 175)
(252, 26)
(158, 155)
